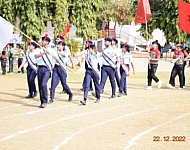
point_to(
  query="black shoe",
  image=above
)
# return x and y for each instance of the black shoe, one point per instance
(83, 102)
(120, 94)
(43, 105)
(102, 92)
(90, 89)
(94, 94)
(112, 97)
(50, 101)
(29, 96)
(82, 89)
(18, 72)
(35, 94)
(70, 97)
(125, 94)
(63, 92)
(97, 101)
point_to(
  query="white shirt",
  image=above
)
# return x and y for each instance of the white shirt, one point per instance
(108, 51)
(40, 60)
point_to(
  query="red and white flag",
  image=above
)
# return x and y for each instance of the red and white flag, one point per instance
(184, 16)
(143, 13)
(6, 32)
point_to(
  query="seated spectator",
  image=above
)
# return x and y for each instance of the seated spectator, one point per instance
(166, 48)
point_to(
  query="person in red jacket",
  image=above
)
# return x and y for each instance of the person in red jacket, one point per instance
(154, 57)
(177, 69)
(185, 52)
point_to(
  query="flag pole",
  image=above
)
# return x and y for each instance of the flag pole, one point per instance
(149, 66)
(32, 40)
(24, 34)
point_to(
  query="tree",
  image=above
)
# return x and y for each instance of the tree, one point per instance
(165, 17)
(6, 10)
(60, 17)
(32, 15)
(116, 10)
(83, 14)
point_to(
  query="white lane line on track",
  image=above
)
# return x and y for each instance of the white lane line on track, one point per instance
(101, 123)
(137, 137)
(11, 106)
(53, 122)
(46, 109)
(39, 110)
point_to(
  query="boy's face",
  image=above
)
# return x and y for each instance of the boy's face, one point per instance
(44, 42)
(60, 47)
(91, 50)
(178, 48)
(31, 47)
(124, 49)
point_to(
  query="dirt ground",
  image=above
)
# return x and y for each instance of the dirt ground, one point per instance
(142, 120)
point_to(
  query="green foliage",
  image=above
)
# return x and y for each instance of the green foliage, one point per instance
(6, 10)
(116, 10)
(164, 17)
(74, 45)
(30, 22)
(60, 19)
(83, 14)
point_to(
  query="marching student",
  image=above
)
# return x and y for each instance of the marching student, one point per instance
(45, 65)
(86, 49)
(154, 57)
(126, 61)
(31, 69)
(177, 69)
(59, 72)
(92, 72)
(108, 66)
(66, 48)
(114, 43)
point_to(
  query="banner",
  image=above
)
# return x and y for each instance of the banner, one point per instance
(184, 16)
(6, 32)
(143, 13)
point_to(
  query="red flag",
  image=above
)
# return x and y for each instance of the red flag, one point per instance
(184, 16)
(66, 30)
(143, 12)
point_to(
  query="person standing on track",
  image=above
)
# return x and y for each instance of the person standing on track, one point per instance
(154, 57)
(177, 69)
(126, 62)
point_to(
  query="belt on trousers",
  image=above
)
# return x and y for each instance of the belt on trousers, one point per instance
(57, 65)
(106, 66)
(42, 66)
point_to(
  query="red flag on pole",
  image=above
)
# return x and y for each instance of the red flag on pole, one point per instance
(184, 16)
(143, 12)
(67, 29)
